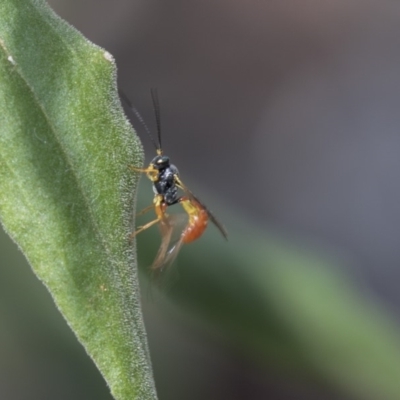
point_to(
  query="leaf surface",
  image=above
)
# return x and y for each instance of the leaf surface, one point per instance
(66, 192)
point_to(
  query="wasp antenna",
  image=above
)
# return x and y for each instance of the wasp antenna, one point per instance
(156, 107)
(138, 117)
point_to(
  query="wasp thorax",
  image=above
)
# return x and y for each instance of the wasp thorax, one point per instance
(160, 162)
(173, 169)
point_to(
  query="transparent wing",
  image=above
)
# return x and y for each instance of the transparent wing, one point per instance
(171, 228)
(213, 219)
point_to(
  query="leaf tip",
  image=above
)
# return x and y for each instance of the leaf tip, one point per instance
(108, 56)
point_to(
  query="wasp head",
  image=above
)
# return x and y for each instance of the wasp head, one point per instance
(160, 162)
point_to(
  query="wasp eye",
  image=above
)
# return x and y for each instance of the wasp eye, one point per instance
(163, 160)
(160, 162)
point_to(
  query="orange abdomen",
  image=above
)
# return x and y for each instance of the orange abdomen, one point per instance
(196, 226)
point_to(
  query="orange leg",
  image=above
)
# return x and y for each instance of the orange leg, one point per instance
(144, 170)
(160, 207)
(145, 210)
(151, 172)
(144, 227)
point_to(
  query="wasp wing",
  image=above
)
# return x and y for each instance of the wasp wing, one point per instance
(171, 228)
(213, 219)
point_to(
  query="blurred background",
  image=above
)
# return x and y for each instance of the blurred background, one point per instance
(284, 116)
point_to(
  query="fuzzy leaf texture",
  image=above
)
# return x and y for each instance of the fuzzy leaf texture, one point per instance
(66, 192)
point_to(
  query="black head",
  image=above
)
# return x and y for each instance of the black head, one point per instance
(160, 162)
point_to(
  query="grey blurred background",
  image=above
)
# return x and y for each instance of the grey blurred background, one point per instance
(288, 112)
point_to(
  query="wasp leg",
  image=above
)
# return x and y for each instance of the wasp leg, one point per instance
(145, 210)
(160, 208)
(144, 227)
(151, 172)
(144, 170)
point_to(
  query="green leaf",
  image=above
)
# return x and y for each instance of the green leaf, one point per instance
(66, 192)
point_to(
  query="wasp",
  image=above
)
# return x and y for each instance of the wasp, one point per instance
(169, 190)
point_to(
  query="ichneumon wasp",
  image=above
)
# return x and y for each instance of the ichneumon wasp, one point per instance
(176, 229)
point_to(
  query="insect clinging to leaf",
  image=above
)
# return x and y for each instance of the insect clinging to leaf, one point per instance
(169, 190)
